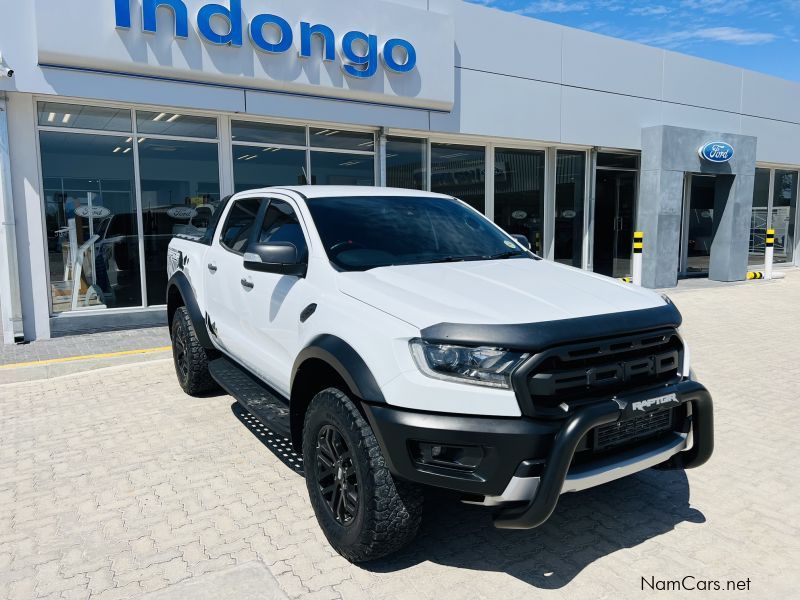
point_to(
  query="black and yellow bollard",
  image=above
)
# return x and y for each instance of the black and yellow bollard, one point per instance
(638, 251)
(769, 253)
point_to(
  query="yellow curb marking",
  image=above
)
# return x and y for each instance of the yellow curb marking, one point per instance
(53, 361)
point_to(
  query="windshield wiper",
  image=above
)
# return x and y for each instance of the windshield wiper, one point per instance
(504, 255)
(448, 259)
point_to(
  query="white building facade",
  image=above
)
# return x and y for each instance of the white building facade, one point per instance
(126, 121)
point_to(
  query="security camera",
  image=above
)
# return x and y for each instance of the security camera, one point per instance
(5, 71)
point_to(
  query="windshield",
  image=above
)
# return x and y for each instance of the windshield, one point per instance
(365, 232)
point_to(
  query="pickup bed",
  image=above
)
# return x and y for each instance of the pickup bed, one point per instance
(401, 340)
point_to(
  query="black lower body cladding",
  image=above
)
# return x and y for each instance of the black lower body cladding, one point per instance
(506, 443)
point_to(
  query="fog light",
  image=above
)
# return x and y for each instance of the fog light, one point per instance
(465, 458)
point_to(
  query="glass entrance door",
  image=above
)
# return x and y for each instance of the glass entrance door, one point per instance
(699, 224)
(614, 213)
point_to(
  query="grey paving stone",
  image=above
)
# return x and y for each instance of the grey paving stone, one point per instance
(79, 345)
(250, 581)
(115, 484)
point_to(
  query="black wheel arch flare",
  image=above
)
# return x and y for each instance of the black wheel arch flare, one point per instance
(343, 359)
(179, 289)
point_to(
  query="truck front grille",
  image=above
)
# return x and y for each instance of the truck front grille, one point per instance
(600, 369)
(615, 434)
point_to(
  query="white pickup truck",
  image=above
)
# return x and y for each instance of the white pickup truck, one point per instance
(401, 340)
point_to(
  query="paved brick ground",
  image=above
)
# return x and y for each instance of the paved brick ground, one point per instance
(79, 345)
(114, 484)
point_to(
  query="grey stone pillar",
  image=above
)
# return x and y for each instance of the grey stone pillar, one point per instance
(668, 154)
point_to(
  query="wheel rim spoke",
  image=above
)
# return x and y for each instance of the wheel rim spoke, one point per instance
(336, 474)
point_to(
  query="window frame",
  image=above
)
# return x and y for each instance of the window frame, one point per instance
(258, 221)
(263, 217)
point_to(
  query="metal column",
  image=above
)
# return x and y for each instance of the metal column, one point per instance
(10, 304)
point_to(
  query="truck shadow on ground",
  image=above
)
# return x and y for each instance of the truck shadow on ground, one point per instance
(584, 527)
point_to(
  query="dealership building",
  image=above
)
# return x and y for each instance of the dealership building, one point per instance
(126, 121)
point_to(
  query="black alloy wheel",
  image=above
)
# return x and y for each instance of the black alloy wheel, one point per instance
(180, 354)
(337, 477)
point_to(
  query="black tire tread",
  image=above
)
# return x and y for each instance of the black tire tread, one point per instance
(394, 510)
(199, 380)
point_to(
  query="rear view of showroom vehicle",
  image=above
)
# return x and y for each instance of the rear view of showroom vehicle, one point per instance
(402, 340)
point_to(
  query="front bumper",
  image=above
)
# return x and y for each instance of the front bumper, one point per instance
(529, 462)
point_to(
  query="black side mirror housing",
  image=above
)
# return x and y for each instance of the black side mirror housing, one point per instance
(281, 258)
(524, 241)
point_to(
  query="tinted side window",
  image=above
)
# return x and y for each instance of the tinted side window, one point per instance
(239, 224)
(281, 225)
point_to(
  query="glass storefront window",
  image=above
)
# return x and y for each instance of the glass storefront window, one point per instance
(91, 223)
(257, 167)
(268, 133)
(175, 124)
(406, 163)
(98, 118)
(338, 168)
(570, 185)
(519, 193)
(342, 140)
(784, 210)
(460, 171)
(180, 192)
(759, 216)
(617, 160)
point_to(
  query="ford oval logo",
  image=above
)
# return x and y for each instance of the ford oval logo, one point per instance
(716, 152)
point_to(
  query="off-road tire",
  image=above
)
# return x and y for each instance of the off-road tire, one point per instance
(389, 511)
(191, 359)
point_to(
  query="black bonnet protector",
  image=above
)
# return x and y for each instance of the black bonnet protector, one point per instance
(533, 337)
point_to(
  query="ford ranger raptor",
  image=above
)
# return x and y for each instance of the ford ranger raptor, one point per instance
(399, 339)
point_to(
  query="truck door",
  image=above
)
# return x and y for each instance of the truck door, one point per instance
(224, 272)
(274, 302)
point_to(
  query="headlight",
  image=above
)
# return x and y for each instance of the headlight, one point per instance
(491, 367)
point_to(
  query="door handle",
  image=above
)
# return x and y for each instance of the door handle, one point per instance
(212, 267)
(248, 284)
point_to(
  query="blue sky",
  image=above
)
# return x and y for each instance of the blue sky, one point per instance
(762, 35)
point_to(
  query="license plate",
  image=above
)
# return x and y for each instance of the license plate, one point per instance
(649, 404)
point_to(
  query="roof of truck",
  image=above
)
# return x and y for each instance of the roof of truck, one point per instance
(339, 191)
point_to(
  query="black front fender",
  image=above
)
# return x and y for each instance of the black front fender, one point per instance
(180, 289)
(346, 362)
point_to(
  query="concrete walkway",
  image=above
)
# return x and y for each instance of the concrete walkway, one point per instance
(75, 354)
(114, 484)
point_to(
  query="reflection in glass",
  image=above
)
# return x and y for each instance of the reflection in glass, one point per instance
(177, 124)
(570, 183)
(268, 133)
(180, 193)
(405, 163)
(55, 114)
(703, 222)
(460, 171)
(90, 215)
(614, 208)
(257, 167)
(784, 211)
(342, 140)
(758, 219)
(519, 193)
(615, 160)
(337, 168)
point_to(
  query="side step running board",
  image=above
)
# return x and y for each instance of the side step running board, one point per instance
(263, 402)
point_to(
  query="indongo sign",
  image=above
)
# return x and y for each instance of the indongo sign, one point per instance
(716, 152)
(360, 52)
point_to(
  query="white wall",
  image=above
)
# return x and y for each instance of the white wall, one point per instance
(514, 77)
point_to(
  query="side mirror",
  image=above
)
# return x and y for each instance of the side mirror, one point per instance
(523, 241)
(279, 257)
